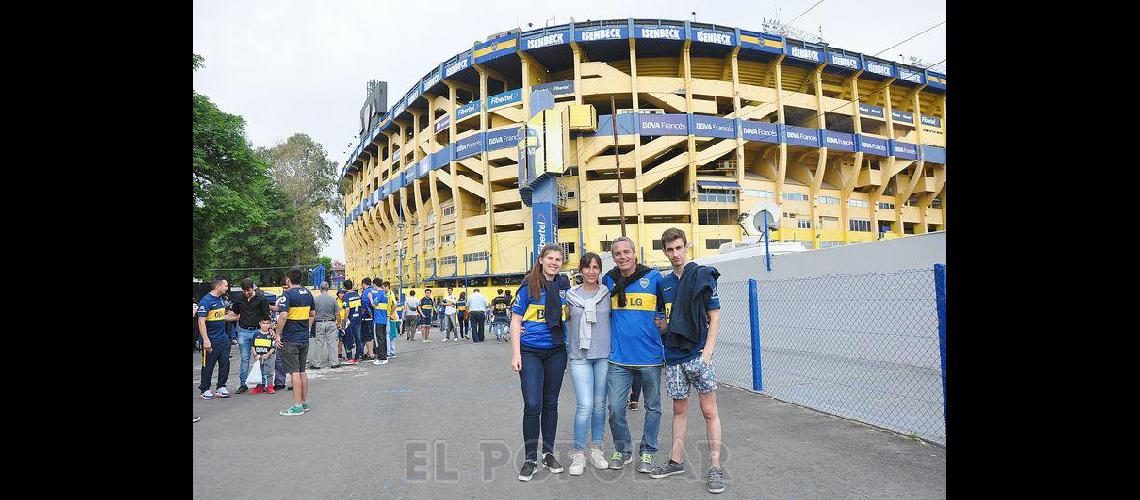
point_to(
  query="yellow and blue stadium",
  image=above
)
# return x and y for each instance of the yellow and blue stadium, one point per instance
(710, 120)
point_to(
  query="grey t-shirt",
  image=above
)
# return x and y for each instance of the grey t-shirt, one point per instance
(413, 304)
(600, 334)
(324, 305)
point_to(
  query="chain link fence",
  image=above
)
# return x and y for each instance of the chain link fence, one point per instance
(865, 346)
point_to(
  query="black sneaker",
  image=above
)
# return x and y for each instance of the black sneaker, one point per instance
(551, 463)
(242, 388)
(716, 480)
(527, 471)
(278, 387)
(667, 469)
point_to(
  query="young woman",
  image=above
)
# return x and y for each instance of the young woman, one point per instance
(461, 314)
(538, 348)
(588, 335)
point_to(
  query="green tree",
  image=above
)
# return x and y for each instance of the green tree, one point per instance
(303, 172)
(237, 210)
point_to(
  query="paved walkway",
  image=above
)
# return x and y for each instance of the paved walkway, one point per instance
(445, 420)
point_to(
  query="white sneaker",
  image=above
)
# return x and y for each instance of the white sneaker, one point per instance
(598, 458)
(376, 361)
(223, 392)
(383, 362)
(208, 394)
(577, 463)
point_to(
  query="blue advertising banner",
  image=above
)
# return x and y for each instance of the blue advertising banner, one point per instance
(412, 94)
(936, 80)
(548, 39)
(502, 139)
(368, 200)
(545, 224)
(762, 41)
(805, 54)
(760, 131)
(504, 99)
(385, 188)
(557, 88)
(799, 136)
(627, 124)
(467, 110)
(442, 122)
(496, 48)
(844, 60)
(903, 150)
(869, 110)
(432, 79)
(911, 75)
(422, 168)
(408, 176)
(435, 161)
(660, 32)
(872, 145)
(934, 154)
(460, 63)
(395, 154)
(601, 33)
(933, 121)
(399, 108)
(670, 124)
(714, 126)
(878, 67)
(469, 146)
(726, 38)
(441, 158)
(839, 140)
(902, 116)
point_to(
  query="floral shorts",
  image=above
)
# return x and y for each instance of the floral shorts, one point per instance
(693, 372)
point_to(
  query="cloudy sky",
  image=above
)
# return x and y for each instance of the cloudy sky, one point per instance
(301, 66)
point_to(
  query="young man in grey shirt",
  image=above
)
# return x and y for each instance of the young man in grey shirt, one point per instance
(326, 311)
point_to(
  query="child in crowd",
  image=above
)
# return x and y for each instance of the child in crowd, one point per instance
(264, 353)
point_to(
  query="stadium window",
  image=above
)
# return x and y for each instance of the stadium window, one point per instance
(448, 210)
(758, 193)
(859, 225)
(448, 261)
(714, 244)
(447, 238)
(567, 247)
(936, 203)
(716, 196)
(794, 196)
(829, 244)
(803, 223)
(857, 203)
(826, 200)
(657, 245)
(886, 206)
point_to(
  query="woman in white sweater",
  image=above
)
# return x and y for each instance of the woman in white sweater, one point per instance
(588, 347)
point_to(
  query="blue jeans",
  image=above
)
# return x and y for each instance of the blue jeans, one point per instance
(589, 378)
(541, 380)
(245, 345)
(618, 381)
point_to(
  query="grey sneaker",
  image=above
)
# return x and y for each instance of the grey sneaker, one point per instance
(619, 460)
(666, 469)
(716, 480)
(646, 465)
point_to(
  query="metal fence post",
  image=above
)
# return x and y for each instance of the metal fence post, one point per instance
(754, 327)
(940, 297)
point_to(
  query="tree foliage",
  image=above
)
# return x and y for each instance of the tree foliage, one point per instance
(301, 169)
(241, 218)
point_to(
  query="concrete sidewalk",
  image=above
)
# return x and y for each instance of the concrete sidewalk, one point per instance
(445, 420)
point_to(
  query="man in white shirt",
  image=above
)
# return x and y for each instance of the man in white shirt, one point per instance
(449, 322)
(477, 306)
(411, 315)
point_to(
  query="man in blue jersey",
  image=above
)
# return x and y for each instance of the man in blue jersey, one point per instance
(690, 327)
(635, 346)
(212, 317)
(380, 300)
(353, 305)
(294, 323)
(364, 333)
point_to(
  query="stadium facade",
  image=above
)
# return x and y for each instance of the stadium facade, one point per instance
(711, 120)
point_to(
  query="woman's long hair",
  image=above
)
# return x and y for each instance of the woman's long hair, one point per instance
(535, 280)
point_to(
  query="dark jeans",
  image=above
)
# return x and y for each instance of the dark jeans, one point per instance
(541, 380)
(636, 386)
(463, 317)
(218, 355)
(380, 344)
(278, 371)
(361, 334)
(477, 319)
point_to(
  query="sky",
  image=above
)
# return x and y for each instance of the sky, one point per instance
(301, 66)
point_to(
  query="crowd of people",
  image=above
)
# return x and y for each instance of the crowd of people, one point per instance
(351, 327)
(620, 333)
(617, 332)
